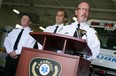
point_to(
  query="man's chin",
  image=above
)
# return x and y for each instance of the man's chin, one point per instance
(82, 19)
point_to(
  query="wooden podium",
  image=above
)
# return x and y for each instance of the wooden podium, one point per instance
(61, 55)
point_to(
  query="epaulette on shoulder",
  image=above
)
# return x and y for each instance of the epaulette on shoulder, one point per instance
(67, 24)
(31, 29)
(15, 28)
(90, 27)
(12, 29)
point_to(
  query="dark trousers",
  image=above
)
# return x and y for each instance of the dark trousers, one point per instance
(10, 66)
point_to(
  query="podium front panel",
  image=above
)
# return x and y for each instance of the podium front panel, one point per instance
(69, 64)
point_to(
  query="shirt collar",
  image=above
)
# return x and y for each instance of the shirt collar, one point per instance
(81, 24)
(25, 28)
(61, 25)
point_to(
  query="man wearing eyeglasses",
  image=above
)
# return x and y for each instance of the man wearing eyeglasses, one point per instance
(80, 29)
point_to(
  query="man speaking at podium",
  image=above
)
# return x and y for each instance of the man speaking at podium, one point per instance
(80, 29)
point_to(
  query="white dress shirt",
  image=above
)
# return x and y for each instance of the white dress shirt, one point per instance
(25, 41)
(90, 37)
(53, 27)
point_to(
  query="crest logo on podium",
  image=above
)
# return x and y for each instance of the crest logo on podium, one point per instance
(44, 67)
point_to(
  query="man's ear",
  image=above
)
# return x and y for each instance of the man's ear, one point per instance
(30, 22)
(65, 19)
(76, 12)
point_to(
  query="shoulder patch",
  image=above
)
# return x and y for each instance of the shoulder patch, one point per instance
(90, 26)
(97, 35)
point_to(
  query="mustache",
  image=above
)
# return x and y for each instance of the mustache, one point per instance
(83, 15)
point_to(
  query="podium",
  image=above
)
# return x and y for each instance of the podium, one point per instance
(58, 57)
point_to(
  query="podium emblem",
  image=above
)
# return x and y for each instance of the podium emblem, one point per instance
(44, 67)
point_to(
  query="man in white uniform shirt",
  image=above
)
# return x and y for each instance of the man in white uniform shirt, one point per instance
(88, 33)
(10, 42)
(60, 20)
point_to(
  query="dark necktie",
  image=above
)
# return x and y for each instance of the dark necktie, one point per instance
(75, 34)
(56, 29)
(17, 40)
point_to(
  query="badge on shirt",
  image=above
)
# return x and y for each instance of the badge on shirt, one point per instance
(81, 33)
